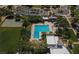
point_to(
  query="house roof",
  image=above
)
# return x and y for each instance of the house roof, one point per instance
(52, 40)
(53, 17)
(46, 18)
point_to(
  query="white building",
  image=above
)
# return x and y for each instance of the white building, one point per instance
(53, 42)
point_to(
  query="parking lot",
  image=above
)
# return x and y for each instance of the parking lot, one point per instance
(11, 23)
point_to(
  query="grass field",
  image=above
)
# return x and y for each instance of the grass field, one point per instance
(9, 39)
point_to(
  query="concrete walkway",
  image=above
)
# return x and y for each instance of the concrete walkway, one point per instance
(62, 50)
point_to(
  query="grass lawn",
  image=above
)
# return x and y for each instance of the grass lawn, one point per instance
(9, 38)
(73, 36)
(68, 34)
(76, 49)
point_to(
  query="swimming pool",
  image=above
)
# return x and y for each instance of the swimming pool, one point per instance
(38, 29)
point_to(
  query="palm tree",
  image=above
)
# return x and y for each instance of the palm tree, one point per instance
(10, 10)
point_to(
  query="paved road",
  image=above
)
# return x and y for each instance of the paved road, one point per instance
(70, 24)
(67, 18)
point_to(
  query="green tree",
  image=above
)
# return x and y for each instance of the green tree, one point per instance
(0, 18)
(72, 8)
(24, 45)
(10, 7)
(25, 24)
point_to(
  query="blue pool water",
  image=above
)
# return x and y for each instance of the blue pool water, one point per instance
(40, 28)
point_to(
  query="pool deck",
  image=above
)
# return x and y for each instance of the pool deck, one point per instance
(32, 30)
(51, 27)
